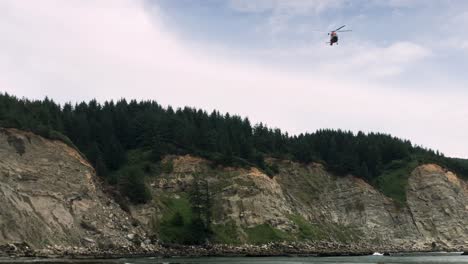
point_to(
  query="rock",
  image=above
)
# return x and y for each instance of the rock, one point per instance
(47, 188)
(58, 188)
(89, 240)
(12, 248)
(333, 205)
(106, 244)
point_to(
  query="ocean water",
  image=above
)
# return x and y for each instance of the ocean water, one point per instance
(431, 259)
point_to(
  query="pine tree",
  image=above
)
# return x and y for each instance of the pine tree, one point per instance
(133, 185)
(364, 171)
(106, 132)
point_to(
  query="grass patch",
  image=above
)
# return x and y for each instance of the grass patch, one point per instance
(179, 205)
(320, 231)
(307, 231)
(344, 234)
(179, 225)
(262, 234)
(226, 234)
(177, 216)
(394, 180)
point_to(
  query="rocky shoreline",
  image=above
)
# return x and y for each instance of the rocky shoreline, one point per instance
(19, 250)
(54, 205)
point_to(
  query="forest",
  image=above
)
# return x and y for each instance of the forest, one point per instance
(106, 132)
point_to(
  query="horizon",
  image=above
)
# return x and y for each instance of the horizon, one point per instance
(260, 59)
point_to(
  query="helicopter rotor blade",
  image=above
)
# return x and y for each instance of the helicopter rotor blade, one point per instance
(344, 30)
(340, 28)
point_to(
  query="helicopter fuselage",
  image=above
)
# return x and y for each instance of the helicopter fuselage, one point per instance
(333, 38)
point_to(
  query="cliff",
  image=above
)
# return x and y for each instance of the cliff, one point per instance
(50, 197)
(305, 202)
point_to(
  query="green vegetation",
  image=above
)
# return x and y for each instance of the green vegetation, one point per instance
(187, 219)
(262, 234)
(226, 234)
(175, 223)
(394, 180)
(318, 231)
(343, 233)
(132, 184)
(167, 167)
(307, 231)
(109, 134)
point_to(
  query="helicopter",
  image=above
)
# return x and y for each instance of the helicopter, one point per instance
(334, 36)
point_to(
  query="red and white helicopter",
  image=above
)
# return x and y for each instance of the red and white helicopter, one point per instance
(334, 36)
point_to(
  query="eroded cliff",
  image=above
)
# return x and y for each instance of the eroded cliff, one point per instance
(306, 203)
(50, 195)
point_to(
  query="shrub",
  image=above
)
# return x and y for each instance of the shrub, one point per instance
(132, 184)
(168, 166)
(177, 220)
(262, 234)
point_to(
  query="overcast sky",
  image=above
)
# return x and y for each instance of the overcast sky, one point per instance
(401, 71)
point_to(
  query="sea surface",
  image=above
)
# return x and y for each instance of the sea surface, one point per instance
(415, 259)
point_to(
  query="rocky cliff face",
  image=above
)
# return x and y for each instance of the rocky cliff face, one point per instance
(308, 202)
(438, 203)
(49, 196)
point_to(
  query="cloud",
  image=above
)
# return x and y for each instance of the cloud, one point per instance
(290, 6)
(361, 60)
(383, 62)
(78, 50)
(402, 3)
(281, 12)
(318, 6)
(454, 32)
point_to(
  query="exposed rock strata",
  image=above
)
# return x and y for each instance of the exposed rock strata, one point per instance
(49, 197)
(346, 209)
(51, 200)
